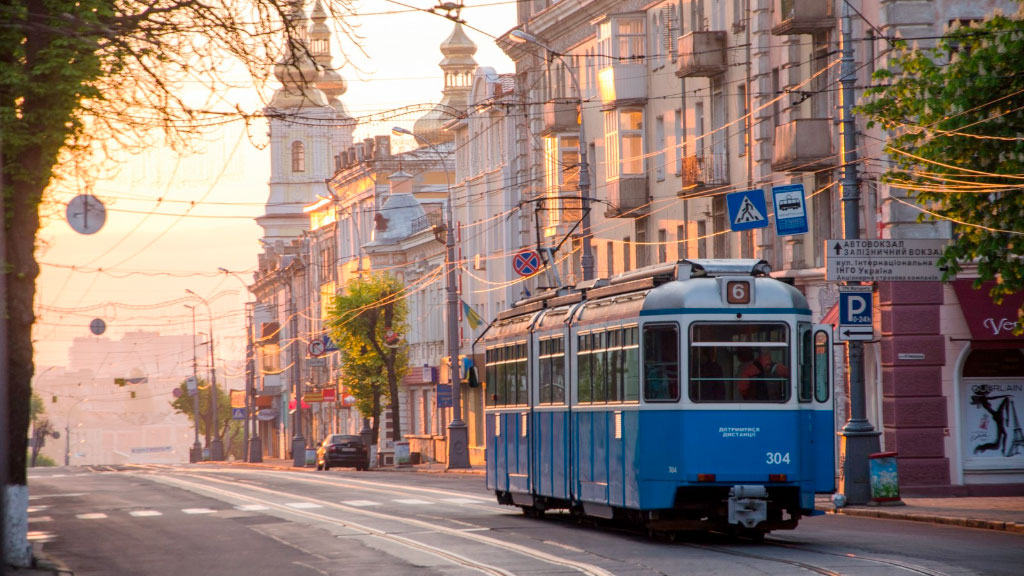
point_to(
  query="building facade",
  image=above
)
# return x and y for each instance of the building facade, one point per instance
(683, 102)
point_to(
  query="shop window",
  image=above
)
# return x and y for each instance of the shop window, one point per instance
(984, 363)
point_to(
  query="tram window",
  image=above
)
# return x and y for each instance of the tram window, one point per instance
(631, 366)
(806, 372)
(584, 360)
(732, 362)
(522, 394)
(822, 366)
(490, 378)
(500, 382)
(598, 372)
(552, 371)
(661, 363)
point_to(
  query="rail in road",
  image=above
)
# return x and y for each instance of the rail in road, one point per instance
(807, 558)
(476, 534)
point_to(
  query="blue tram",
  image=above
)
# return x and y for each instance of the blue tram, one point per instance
(687, 396)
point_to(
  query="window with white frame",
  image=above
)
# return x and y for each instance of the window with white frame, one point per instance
(622, 38)
(562, 177)
(624, 142)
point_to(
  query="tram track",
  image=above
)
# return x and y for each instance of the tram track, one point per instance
(476, 533)
(209, 485)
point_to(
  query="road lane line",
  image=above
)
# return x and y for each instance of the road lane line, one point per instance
(204, 483)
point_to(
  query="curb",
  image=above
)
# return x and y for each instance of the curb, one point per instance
(1003, 526)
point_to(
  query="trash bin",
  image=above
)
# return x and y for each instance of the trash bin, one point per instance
(885, 479)
(402, 453)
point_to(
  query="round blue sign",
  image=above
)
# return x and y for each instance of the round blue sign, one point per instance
(98, 326)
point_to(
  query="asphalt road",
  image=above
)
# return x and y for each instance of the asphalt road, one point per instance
(157, 521)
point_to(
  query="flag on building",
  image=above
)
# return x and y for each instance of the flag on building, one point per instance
(472, 317)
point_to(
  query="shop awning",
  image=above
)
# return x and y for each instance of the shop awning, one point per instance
(991, 324)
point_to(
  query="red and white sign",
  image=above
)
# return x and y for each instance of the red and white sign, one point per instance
(348, 400)
(330, 394)
(316, 348)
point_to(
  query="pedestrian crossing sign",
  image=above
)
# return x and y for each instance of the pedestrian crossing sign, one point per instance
(747, 210)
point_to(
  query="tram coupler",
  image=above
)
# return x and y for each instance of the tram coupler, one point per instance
(748, 505)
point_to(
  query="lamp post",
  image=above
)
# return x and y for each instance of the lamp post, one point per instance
(196, 454)
(67, 433)
(252, 443)
(216, 447)
(587, 258)
(458, 434)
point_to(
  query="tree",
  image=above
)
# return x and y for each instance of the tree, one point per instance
(226, 428)
(367, 323)
(955, 114)
(81, 78)
(41, 428)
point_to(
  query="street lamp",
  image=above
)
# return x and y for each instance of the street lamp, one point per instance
(252, 444)
(458, 434)
(587, 258)
(216, 447)
(196, 454)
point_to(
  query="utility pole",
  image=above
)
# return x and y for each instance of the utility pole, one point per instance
(5, 416)
(859, 438)
(298, 442)
(196, 455)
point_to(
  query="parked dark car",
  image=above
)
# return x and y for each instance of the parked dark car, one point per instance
(342, 450)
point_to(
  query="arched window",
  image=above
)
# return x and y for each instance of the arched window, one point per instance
(298, 156)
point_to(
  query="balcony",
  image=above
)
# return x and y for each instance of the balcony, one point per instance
(704, 171)
(560, 115)
(622, 82)
(628, 197)
(802, 17)
(804, 145)
(702, 54)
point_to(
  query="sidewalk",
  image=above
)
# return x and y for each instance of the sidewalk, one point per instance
(1004, 513)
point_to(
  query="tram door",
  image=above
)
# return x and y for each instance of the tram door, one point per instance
(816, 391)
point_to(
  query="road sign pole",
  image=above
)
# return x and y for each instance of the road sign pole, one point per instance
(859, 438)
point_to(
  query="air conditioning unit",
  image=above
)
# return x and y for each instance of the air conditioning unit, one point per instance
(479, 262)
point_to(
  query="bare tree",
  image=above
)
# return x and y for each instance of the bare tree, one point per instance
(79, 78)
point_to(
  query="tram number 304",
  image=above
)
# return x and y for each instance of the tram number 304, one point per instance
(776, 458)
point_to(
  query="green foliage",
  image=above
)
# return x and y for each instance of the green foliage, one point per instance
(368, 323)
(226, 428)
(37, 407)
(955, 114)
(41, 460)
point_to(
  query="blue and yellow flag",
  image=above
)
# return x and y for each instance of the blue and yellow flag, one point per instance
(472, 317)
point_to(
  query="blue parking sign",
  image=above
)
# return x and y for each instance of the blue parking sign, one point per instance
(790, 209)
(747, 210)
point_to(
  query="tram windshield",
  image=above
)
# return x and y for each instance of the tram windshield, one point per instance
(739, 362)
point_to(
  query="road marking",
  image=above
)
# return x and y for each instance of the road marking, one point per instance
(412, 501)
(91, 516)
(303, 505)
(252, 507)
(72, 494)
(198, 510)
(34, 519)
(145, 513)
(460, 500)
(360, 503)
(32, 509)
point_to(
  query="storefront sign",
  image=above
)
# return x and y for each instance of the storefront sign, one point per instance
(988, 321)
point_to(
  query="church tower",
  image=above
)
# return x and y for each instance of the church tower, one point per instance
(458, 66)
(308, 126)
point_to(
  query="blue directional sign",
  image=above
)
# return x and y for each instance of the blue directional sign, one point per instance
(238, 413)
(855, 313)
(790, 209)
(329, 345)
(444, 395)
(747, 210)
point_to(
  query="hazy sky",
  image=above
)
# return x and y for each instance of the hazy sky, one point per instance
(134, 272)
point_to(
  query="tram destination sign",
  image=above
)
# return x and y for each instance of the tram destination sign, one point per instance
(884, 260)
